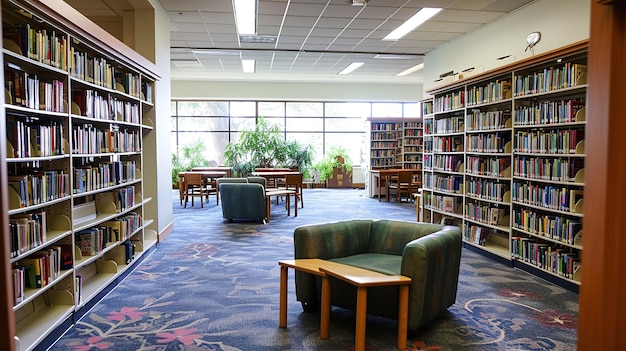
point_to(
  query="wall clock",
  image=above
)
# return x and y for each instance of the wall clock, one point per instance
(532, 39)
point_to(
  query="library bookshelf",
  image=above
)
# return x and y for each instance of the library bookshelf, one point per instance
(77, 107)
(504, 156)
(394, 143)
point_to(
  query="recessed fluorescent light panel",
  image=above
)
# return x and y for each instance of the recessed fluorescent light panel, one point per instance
(245, 16)
(248, 66)
(352, 67)
(411, 70)
(417, 20)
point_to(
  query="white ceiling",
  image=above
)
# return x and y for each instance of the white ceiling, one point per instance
(315, 39)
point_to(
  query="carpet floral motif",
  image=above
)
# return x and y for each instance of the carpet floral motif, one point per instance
(213, 286)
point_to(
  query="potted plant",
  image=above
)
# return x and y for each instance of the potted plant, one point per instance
(186, 158)
(265, 146)
(335, 167)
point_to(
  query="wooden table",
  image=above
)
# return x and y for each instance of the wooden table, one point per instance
(208, 176)
(361, 278)
(280, 192)
(384, 175)
(214, 169)
(308, 265)
(273, 176)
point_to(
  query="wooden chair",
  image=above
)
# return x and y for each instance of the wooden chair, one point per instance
(403, 185)
(294, 182)
(195, 186)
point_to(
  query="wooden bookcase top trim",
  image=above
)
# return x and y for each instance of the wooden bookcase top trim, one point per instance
(573, 48)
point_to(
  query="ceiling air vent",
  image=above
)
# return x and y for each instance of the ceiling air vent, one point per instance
(264, 39)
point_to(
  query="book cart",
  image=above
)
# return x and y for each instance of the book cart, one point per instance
(76, 111)
(504, 156)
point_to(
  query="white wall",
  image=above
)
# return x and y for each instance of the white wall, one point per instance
(296, 91)
(561, 22)
(159, 185)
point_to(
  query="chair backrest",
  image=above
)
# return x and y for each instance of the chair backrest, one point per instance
(259, 180)
(193, 178)
(294, 180)
(405, 177)
(230, 180)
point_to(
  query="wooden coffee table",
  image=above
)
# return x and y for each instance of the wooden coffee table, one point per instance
(359, 277)
(280, 192)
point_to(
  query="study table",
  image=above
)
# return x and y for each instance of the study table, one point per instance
(384, 175)
(207, 176)
(273, 176)
(361, 279)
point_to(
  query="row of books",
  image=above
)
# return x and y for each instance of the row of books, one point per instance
(124, 198)
(31, 137)
(27, 231)
(43, 267)
(90, 139)
(130, 82)
(103, 175)
(448, 163)
(488, 142)
(549, 79)
(475, 234)
(486, 120)
(448, 144)
(42, 45)
(93, 240)
(492, 92)
(549, 257)
(448, 204)
(91, 69)
(387, 136)
(38, 188)
(556, 169)
(28, 90)
(387, 126)
(548, 112)
(486, 189)
(449, 184)
(450, 101)
(383, 153)
(547, 196)
(105, 106)
(449, 125)
(485, 213)
(492, 166)
(558, 228)
(553, 142)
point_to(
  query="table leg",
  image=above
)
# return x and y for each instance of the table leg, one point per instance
(295, 207)
(267, 207)
(288, 205)
(361, 314)
(403, 312)
(378, 183)
(325, 309)
(282, 322)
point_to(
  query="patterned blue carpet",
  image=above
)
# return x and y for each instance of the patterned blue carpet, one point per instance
(213, 285)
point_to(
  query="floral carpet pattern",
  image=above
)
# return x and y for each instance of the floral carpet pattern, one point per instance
(212, 285)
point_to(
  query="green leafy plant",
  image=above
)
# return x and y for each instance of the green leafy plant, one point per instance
(337, 156)
(187, 157)
(265, 147)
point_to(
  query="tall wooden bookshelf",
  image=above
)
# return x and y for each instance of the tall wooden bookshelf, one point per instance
(76, 110)
(394, 143)
(504, 156)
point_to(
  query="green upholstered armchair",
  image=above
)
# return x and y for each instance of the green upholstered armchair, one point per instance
(243, 201)
(429, 254)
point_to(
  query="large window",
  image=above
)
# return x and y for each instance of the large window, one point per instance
(320, 124)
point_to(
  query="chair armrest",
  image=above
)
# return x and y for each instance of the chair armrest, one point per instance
(433, 263)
